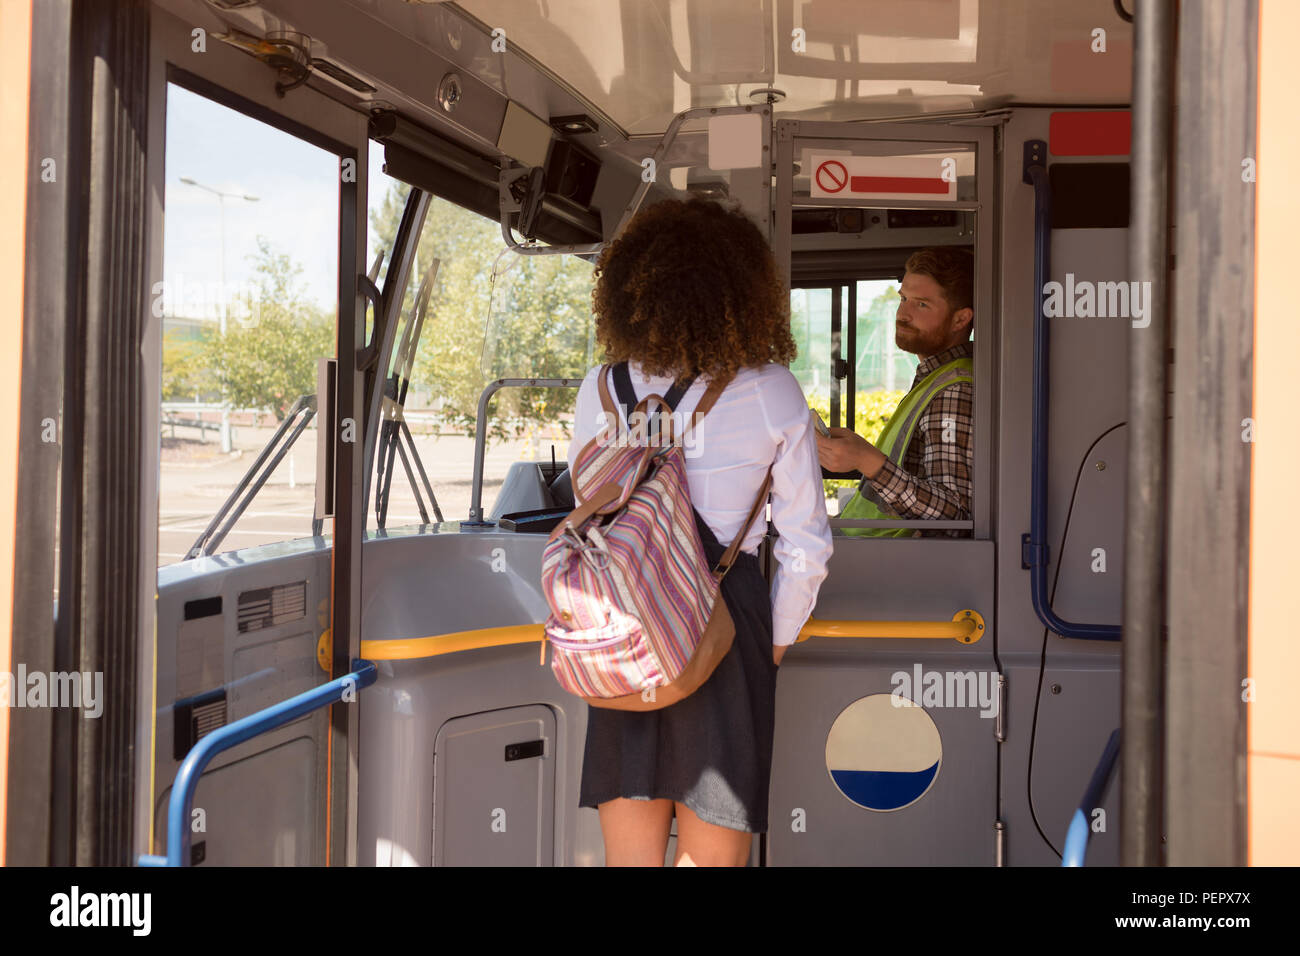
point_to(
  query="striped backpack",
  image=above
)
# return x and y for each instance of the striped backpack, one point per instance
(637, 621)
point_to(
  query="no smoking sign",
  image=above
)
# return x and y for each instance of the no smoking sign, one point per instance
(832, 176)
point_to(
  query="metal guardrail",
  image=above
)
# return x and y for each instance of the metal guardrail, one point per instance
(1076, 839)
(364, 673)
(475, 519)
(172, 422)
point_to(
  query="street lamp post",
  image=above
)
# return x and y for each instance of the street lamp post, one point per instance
(221, 266)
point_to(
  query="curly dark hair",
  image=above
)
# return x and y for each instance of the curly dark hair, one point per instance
(691, 288)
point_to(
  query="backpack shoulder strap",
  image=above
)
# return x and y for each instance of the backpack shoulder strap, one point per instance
(707, 401)
(623, 387)
(729, 556)
(606, 402)
(627, 398)
(627, 394)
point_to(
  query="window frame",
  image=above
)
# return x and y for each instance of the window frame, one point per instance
(793, 136)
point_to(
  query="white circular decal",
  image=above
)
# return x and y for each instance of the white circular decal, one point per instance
(882, 756)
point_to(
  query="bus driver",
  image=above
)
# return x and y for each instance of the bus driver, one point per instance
(922, 462)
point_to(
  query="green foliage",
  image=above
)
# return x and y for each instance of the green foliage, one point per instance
(185, 371)
(871, 410)
(267, 356)
(533, 321)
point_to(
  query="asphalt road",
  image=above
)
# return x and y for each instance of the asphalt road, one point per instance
(196, 479)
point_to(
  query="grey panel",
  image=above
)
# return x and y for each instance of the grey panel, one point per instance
(490, 809)
(909, 579)
(1088, 381)
(1027, 840)
(419, 585)
(1091, 585)
(1089, 397)
(812, 822)
(200, 664)
(257, 668)
(256, 811)
(267, 673)
(416, 585)
(1078, 707)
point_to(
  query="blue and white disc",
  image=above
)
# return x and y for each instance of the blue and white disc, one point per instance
(882, 756)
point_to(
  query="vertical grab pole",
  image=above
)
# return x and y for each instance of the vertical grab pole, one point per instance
(1142, 707)
(1034, 549)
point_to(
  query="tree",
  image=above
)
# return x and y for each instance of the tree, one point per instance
(879, 363)
(534, 320)
(267, 356)
(185, 371)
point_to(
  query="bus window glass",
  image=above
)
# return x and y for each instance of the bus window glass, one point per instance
(249, 303)
(810, 321)
(883, 371)
(490, 314)
(879, 374)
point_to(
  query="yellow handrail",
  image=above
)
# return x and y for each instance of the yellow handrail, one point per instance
(411, 648)
(966, 626)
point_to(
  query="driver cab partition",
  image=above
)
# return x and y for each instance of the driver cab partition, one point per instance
(851, 205)
(853, 202)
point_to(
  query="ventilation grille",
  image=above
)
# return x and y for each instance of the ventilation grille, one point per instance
(268, 607)
(208, 717)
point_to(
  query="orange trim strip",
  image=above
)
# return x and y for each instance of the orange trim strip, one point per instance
(15, 101)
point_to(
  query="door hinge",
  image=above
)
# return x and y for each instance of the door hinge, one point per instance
(999, 843)
(999, 726)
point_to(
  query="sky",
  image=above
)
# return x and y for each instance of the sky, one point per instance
(296, 185)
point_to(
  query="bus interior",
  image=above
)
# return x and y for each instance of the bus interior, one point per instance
(445, 173)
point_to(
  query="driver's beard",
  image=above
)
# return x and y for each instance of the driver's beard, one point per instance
(918, 343)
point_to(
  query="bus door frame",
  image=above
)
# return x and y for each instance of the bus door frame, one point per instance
(239, 82)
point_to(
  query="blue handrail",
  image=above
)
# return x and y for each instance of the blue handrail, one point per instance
(364, 673)
(1034, 548)
(1076, 840)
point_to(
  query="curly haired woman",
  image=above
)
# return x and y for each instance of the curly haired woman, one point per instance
(690, 289)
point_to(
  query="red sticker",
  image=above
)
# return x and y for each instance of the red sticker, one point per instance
(899, 184)
(1090, 133)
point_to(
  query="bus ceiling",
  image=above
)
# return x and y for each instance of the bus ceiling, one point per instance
(459, 92)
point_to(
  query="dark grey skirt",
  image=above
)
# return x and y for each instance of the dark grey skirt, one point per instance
(713, 750)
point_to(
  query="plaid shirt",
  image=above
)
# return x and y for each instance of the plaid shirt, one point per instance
(935, 480)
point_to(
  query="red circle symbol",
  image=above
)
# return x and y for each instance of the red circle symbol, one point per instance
(832, 176)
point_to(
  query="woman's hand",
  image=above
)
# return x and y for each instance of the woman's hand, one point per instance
(779, 652)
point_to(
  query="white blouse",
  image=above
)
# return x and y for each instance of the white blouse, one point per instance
(760, 419)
